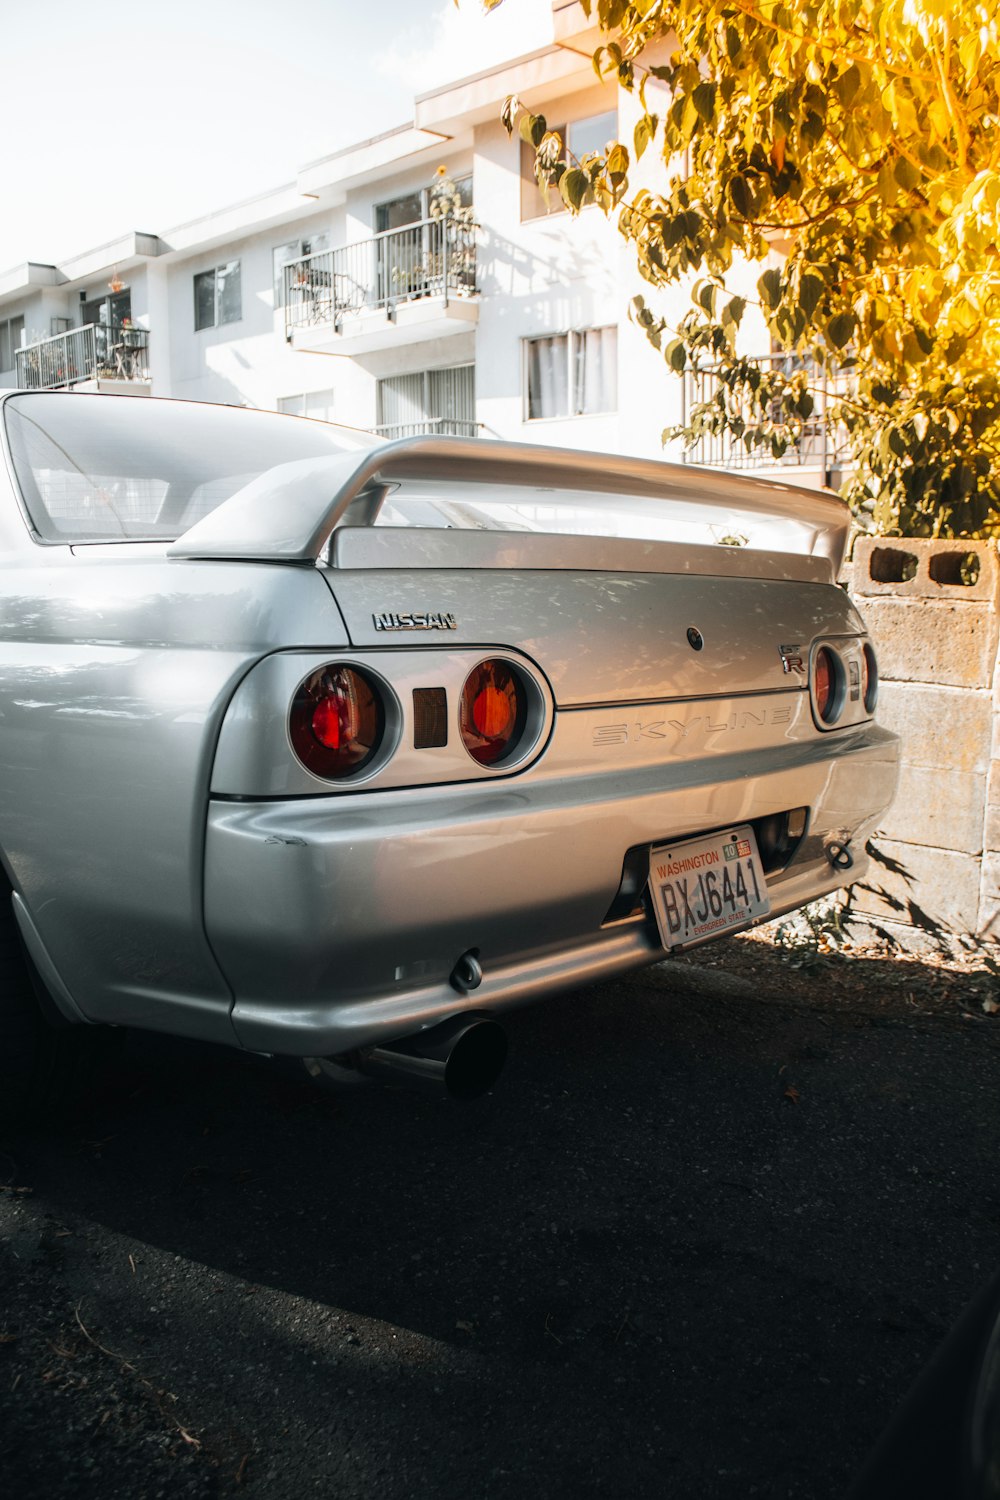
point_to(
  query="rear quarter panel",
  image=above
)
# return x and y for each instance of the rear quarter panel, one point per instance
(115, 671)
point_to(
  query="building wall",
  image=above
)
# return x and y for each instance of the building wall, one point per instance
(244, 363)
(542, 276)
(538, 277)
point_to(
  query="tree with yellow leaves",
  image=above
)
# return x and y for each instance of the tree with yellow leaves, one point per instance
(853, 146)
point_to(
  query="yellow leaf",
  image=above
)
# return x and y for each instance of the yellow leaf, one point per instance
(970, 50)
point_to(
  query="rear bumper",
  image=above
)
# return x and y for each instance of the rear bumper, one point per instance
(337, 921)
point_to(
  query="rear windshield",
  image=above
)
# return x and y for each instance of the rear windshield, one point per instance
(526, 507)
(119, 468)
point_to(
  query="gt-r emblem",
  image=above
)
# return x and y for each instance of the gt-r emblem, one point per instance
(791, 659)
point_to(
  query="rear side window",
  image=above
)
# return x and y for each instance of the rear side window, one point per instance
(115, 468)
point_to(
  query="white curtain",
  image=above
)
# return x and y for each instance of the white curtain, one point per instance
(548, 372)
(317, 404)
(595, 382)
(401, 402)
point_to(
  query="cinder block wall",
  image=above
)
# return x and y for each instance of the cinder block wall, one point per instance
(936, 636)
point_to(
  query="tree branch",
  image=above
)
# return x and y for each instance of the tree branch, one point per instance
(951, 103)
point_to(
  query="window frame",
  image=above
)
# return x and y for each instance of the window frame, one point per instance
(307, 244)
(528, 185)
(214, 271)
(7, 330)
(571, 335)
(425, 194)
(328, 392)
(430, 380)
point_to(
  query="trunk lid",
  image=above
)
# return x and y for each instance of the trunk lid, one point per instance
(603, 637)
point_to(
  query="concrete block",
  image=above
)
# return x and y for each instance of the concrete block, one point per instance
(942, 808)
(914, 940)
(943, 727)
(920, 640)
(881, 562)
(989, 899)
(991, 828)
(991, 818)
(921, 887)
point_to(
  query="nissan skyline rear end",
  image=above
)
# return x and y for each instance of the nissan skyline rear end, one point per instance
(547, 757)
(390, 733)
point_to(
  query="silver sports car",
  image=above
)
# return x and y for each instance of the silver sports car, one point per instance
(332, 748)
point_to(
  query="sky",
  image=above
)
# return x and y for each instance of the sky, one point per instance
(142, 116)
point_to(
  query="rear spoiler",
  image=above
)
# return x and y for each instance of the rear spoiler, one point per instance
(289, 513)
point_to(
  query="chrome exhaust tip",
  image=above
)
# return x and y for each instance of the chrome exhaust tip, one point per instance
(462, 1057)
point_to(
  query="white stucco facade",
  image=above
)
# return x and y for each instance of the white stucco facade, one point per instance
(536, 278)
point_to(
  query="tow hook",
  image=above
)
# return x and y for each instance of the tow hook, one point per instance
(467, 974)
(839, 854)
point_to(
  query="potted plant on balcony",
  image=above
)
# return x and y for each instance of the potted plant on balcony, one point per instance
(440, 255)
(853, 160)
(460, 229)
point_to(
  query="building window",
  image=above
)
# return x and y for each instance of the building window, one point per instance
(11, 332)
(310, 244)
(572, 374)
(428, 401)
(315, 404)
(416, 206)
(217, 296)
(580, 137)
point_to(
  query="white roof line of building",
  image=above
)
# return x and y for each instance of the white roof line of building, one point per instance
(373, 140)
(228, 208)
(492, 72)
(281, 199)
(124, 250)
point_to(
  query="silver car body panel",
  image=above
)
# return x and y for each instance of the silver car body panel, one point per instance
(340, 922)
(175, 867)
(611, 638)
(254, 757)
(114, 679)
(289, 513)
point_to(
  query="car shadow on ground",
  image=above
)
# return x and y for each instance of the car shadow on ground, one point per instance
(688, 1234)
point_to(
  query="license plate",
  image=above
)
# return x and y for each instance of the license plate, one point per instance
(707, 886)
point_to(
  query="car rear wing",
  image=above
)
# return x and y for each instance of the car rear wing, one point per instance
(290, 513)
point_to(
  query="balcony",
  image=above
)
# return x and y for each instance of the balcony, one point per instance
(431, 427)
(816, 454)
(93, 358)
(399, 287)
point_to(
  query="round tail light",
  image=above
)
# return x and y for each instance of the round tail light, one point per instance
(827, 685)
(337, 722)
(869, 678)
(493, 712)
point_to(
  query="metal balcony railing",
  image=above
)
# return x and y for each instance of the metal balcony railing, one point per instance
(430, 426)
(822, 443)
(435, 258)
(93, 352)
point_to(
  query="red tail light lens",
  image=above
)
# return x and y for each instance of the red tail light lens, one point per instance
(827, 695)
(492, 712)
(337, 722)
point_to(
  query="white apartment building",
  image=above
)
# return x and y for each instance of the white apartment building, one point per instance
(341, 295)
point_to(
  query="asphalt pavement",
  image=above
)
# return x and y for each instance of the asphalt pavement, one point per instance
(696, 1243)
